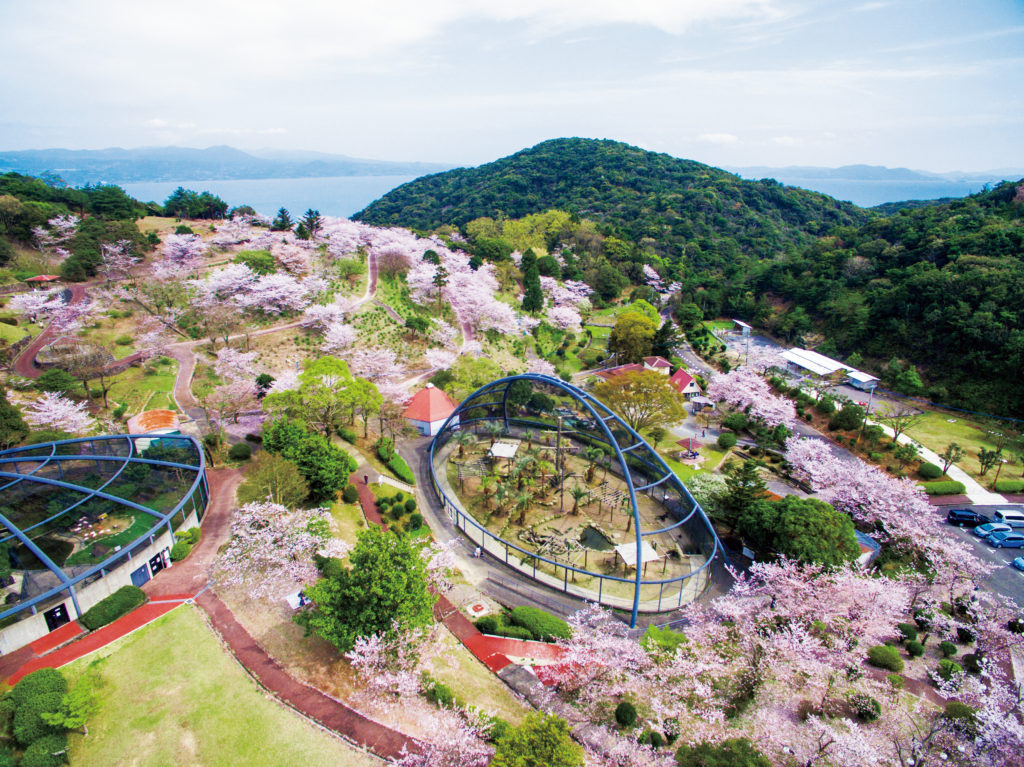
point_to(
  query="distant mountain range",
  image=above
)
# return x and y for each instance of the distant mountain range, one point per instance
(873, 173)
(117, 166)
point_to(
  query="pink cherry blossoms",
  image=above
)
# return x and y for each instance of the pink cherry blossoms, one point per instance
(339, 336)
(55, 411)
(271, 549)
(747, 391)
(564, 318)
(184, 249)
(374, 364)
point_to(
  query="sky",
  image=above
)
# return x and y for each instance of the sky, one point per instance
(927, 84)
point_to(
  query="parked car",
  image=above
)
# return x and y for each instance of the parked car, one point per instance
(1011, 517)
(963, 517)
(983, 531)
(1019, 563)
(1010, 540)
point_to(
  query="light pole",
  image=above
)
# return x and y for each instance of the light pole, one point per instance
(864, 423)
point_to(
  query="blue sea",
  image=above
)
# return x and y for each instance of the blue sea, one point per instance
(332, 196)
(868, 193)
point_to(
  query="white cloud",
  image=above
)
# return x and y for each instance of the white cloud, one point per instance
(786, 140)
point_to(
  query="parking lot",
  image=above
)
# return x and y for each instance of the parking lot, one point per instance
(1005, 579)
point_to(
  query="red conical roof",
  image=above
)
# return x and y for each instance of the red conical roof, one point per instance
(429, 404)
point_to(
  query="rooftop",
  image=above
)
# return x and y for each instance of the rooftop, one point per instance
(429, 404)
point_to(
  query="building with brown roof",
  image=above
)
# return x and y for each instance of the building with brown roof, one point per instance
(429, 409)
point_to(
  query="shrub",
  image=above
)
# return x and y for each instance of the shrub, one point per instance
(929, 471)
(826, 406)
(895, 681)
(119, 411)
(875, 456)
(123, 340)
(965, 634)
(948, 649)
(240, 451)
(735, 421)
(543, 625)
(183, 229)
(401, 469)
(923, 619)
(948, 668)
(908, 631)
(515, 632)
(416, 521)
(915, 649)
(347, 434)
(865, 707)
(180, 550)
(625, 714)
(410, 504)
(41, 682)
(28, 724)
(439, 693)
(734, 752)
(1010, 486)
(972, 662)
(885, 657)
(48, 751)
(945, 487)
(487, 624)
(656, 740)
(122, 601)
(191, 536)
(211, 440)
(350, 494)
(726, 440)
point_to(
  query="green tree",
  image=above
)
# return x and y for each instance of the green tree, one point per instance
(900, 418)
(642, 398)
(904, 453)
(312, 222)
(385, 589)
(274, 477)
(260, 261)
(440, 280)
(632, 337)
(988, 459)
(609, 282)
(665, 340)
(800, 528)
(13, 428)
(952, 454)
(282, 222)
(908, 381)
(79, 704)
(324, 466)
(746, 489)
(542, 740)
(734, 752)
(533, 297)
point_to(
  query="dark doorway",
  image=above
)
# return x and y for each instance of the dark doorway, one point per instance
(56, 617)
(156, 564)
(140, 576)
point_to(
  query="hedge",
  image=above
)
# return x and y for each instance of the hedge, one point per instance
(726, 440)
(121, 602)
(41, 682)
(885, 657)
(401, 469)
(929, 471)
(347, 434)
(1010, 486)
(180, 550)
(543, 625)
(947, 487)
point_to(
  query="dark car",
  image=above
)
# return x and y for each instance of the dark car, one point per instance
(963, 517)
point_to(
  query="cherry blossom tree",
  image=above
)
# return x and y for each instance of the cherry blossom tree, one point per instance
(540, 367)
(274, 294)
(61, 229)
(184, 250)
(443, 334)
(55, 411)
(457, 739)
(564, 317)
(440, 359)
(117, 259)
(235, 365)
(339, 336)
(374, 364)
(271, 549)
(747, 391)
(35, 304)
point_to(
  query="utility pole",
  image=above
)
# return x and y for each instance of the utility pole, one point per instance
(864, 423)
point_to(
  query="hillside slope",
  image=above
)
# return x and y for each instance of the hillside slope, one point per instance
(636, 193)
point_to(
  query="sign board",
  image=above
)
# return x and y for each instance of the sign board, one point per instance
(748, 553)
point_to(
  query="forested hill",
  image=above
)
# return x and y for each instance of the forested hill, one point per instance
(639, 195)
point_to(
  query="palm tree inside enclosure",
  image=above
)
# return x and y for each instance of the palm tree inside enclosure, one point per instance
(544, 477)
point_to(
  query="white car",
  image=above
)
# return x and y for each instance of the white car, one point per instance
(984, 531)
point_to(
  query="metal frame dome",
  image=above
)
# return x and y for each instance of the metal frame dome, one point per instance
(639, 466)
(48, 486)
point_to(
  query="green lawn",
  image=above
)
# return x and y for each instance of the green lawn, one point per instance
(348, 519)
(11, 334)
(937, 429)
(173, 696)
(140, 391)
(712, 458)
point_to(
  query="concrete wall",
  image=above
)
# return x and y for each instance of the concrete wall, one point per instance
(33, 627)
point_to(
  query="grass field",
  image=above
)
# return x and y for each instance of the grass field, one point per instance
(140, 391)
(348, 520)
(173, 696)
(937, 430)
(11, 334)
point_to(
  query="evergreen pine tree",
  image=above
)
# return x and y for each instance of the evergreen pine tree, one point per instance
(283, 222)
